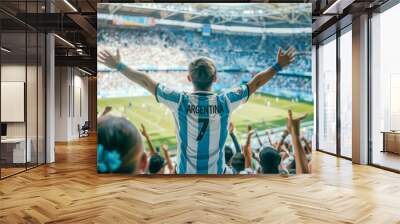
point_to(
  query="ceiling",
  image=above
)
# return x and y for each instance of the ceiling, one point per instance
(76, 20)
(331, 15)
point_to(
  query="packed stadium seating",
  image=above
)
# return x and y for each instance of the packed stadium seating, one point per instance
(166, 54)
(112, 84)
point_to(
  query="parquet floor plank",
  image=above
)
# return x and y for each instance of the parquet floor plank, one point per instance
(70, 191)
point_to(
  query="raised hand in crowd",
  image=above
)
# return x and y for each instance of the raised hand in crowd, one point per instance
(143, 130)
(170, 165)
(293, 126)
(283, 59)
(114, 61)
(247, 148)
(231, 130)
(269, 137)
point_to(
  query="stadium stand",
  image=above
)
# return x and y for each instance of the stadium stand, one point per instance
(166, 53)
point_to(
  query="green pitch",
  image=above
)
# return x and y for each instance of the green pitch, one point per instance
(261, 111)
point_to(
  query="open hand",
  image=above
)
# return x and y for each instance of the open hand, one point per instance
(284, 59)
(294, 124)
(106, 58)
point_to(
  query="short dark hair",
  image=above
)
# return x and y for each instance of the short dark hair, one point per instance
(228, 154)
(202, 71)
(119, 136)
(156, 163)
(269, 160)
(238, 162)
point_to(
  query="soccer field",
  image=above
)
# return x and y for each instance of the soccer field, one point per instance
(261, 111)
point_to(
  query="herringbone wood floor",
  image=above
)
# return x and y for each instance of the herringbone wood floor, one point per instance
(70, 191)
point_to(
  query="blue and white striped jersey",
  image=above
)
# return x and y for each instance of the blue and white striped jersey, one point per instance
(201, 120)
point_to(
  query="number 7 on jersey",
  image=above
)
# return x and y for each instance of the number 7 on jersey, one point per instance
(204, 122)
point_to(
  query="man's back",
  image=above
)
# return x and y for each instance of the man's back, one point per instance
(201, 120)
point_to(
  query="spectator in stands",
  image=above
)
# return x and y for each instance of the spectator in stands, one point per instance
(248, 155)
(119, 146)
(270, 160)
(156, 162)
(238, 163)
(228, 155)
(242, 160)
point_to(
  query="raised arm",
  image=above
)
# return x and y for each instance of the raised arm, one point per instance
(114, 62)
(258, 138)
(283, 137)
(151, 148)
(282, 60)
(269, 137)
(233, 136)
(164, 147)
(299, 154)
(247, 149)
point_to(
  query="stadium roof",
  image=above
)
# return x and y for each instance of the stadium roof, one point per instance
(280, 15)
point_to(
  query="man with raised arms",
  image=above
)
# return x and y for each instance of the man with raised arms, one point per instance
(202, 116)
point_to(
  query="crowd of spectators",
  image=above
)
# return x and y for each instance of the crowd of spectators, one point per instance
(168, 48)
(166, 53)
(112, 84)
(288, 152)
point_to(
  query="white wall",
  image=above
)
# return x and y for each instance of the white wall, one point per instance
(81, 102)
(12, 73)
(71, 94)
(61, 103)
(33, 127)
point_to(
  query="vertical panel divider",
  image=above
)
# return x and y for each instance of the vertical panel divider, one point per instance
(317, 97)
(37, 89)
(369, 96)
(26, 85)
(338, 100)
